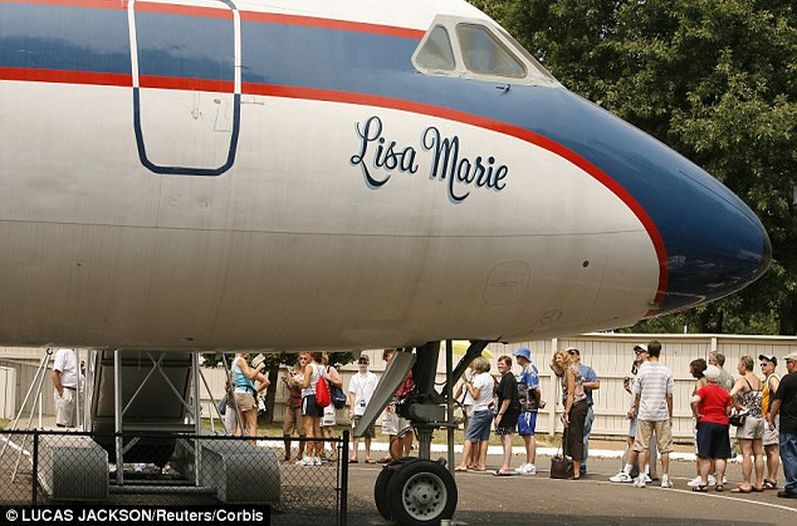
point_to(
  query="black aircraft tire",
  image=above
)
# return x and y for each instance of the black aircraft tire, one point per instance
(380, 492)
(421, 493)
(380, 487)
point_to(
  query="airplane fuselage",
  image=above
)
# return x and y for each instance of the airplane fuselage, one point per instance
(215, 175)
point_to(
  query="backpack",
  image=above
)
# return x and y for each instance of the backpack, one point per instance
(528, 396)
(336, 394)
(322, 395)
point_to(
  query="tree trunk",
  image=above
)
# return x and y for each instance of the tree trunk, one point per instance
(788, 316)
(271, 393)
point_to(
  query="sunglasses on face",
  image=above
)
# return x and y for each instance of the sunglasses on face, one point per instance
(572, 353)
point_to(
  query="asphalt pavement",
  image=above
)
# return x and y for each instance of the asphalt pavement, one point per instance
(525, 500)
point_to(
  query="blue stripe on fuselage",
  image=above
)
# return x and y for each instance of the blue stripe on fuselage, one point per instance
(61, 37)
(185, 46)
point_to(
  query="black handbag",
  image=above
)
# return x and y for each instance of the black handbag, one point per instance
(737, 419)
(561, 464)
(561, 467)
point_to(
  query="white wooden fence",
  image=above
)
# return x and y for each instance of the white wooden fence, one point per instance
(609, 354)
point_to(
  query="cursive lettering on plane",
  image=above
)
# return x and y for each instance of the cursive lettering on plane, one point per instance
(379, 158)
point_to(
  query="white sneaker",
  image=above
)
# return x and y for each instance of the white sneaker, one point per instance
(712, 480)
(695, 482)
(526, 469)
(665, 481)
(648, 480)
(639, 482)
(621, 477)
(317, 461)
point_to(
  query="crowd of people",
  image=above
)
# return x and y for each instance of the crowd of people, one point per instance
(305, 417)
(763, 411)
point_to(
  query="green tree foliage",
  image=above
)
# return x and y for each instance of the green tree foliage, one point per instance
(715, 80)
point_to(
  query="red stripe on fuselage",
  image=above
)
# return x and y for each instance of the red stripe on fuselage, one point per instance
(249, 16)
(328, 23)
(185, 84)
(68, 77)
(294, 92)
(184, 10)
(488, 124)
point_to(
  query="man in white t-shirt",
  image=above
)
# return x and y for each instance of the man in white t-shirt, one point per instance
(65, 381)
(361, 389)
(653, 390)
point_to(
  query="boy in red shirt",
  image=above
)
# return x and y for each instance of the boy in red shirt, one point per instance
(711, 406)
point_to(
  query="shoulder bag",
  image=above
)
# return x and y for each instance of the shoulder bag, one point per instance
(337, 395)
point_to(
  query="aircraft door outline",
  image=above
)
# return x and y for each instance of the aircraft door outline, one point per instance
(181, 168)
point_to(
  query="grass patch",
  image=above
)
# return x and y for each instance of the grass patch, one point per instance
(275, 430)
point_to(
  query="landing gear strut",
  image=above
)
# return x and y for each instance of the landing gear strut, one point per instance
(418, 491)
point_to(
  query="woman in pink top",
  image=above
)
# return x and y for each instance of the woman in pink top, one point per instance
(711, 406)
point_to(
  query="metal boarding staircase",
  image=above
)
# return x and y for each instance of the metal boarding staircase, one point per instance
(155, 393)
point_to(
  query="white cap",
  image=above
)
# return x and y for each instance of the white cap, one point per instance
(712, 373)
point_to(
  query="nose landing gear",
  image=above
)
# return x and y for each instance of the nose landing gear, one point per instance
(415, 492)
(418, 491)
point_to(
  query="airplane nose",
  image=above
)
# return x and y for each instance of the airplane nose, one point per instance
(715, 243)
(708, 241)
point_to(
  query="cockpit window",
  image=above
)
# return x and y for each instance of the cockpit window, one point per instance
(436, 53)
(483, 53)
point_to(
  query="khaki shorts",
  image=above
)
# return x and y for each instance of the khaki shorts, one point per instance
(245, 402)
(752, 429)
(646, 428)
(65, 408)
(772, 436)
(292, 421)
(370, 432)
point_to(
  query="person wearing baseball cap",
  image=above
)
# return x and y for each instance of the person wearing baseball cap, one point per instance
(640, 357)
(785, 404)
(529, 395)
(771, 442)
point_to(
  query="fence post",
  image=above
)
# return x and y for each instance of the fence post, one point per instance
(344, 480)
(553, 395)
(34, 472)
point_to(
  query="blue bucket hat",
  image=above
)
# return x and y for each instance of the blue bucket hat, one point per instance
(525, 352)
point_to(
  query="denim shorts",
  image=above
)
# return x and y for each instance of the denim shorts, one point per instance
(479, 427)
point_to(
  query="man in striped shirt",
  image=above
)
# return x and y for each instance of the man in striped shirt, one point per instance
(652, 392)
